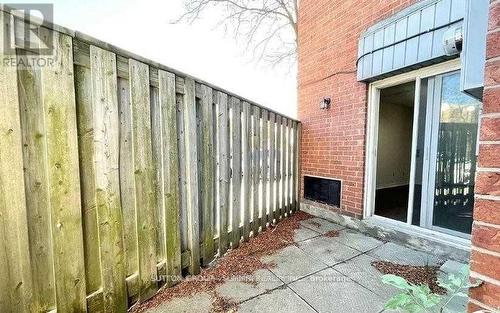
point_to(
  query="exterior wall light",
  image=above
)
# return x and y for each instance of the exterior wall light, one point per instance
(325, 104)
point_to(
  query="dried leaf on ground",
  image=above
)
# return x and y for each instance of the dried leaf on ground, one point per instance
(239, 263)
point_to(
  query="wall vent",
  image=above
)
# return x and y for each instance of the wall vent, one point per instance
(323, 190)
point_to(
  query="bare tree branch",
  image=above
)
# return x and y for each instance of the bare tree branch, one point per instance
(269, 26)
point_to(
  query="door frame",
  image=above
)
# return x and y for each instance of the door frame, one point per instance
(372, 131)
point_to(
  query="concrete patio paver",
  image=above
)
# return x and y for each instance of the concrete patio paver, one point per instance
(320, 225)
(329, 291)
(399, 254)
(357, 240)
(328, 250)
(239, 291)
(282, 300)
(303, 233)
(319, 274)
(292, 263)
(361, 271)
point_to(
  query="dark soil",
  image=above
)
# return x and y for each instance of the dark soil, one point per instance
(417, 275)
(237, 263)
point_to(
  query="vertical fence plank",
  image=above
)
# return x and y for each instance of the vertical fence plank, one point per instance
(236, 179)
(284, 179)
(296, 168)
(127, 177)
(170, 175)
(62, 157)
(256, 170)
(15, 271)
(246, 140)
(223, 155)
(191, 161)
(107, 179)
(181, 138)
(143, 170)
(290, 167)
(36, 185)
(208, 173)
(264, 167)
(83, 92)
(279, 168)
(157, 145)
(272, 168)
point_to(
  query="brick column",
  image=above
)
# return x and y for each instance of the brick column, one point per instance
(485, 256)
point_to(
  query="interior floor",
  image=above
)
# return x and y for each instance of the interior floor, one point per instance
(392, 202)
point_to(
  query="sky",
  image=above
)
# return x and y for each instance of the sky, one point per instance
(201, 49)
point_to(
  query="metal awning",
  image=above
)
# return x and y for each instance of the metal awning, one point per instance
(409, 39)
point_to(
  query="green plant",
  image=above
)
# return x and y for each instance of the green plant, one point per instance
(419, 298)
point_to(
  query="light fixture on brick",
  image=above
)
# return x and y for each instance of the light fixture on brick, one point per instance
(325, 104)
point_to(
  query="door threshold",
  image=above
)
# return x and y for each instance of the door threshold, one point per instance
(417, 231)
(429, 241)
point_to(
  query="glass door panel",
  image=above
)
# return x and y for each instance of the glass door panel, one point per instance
(453, 147)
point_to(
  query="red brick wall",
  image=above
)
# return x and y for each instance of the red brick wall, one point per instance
(485, 257)
(333, 142)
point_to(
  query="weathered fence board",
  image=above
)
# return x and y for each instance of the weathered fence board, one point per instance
(83, 91)
(16, 292)
(272, 169)
(132, 171)
(107, 180)
(264, 168)
(223, 156)
(246, 140)
(284, 160)
(143, 176)
(289, 166)
(190, 160)
(36, 185)
(64, 183)
(207, 170)
(236, 171)
(170, 175)
(256, 170)
(279, 166)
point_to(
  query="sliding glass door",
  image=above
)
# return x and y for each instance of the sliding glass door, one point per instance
(446, 156)
(421, 150)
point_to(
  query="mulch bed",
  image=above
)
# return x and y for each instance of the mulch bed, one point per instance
(417, 275)
(237, 263)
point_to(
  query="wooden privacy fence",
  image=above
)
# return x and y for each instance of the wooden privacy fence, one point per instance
(115, 169)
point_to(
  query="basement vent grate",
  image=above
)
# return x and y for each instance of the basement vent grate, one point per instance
(322, 190)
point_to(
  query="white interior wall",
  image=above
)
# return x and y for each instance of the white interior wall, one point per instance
(394, 144)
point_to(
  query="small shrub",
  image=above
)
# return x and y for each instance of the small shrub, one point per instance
(419, 298)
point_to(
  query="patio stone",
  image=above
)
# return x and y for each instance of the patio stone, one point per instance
(451, 266)
(361, 271)
(282, 300)
(241, 291)
(330, 291)
(303, 233)
(320, 225)
(399, 254)
(292, 263)
(198, 303)
(328, 250)
(357, 240)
